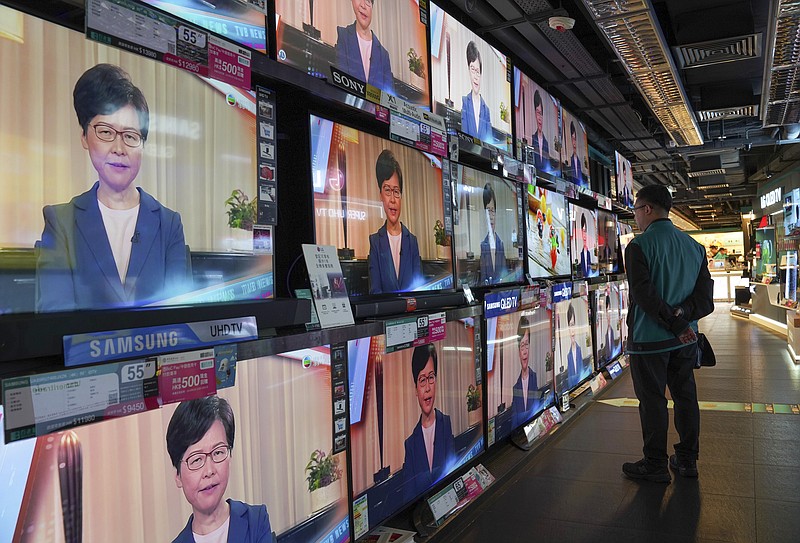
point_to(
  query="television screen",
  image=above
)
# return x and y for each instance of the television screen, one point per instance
(766, 252)
(548, 225)
(791, 213)
(471, 81)
(381, 43)
(624, 180)
(145, 158)
(379, 203)
(607, 242)
(623, 312)
(236, 20)
(574, 354)
(575, 151)
(415, 417)
(142, 477)
(583, 225)
(607, 325)
(625, 237)
(519, 369)
(538, 118)
(488, 250)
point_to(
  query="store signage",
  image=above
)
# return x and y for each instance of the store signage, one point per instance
(772, 197)
(82, 349)
(408, 332)
(500, 303)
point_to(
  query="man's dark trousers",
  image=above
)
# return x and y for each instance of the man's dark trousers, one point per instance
(651, 374)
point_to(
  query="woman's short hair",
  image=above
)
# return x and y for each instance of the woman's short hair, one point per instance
(190, 422)
(420, 359)
(537, 100)
(104, 89)
(488, 195)
(570, 313)
(523, 326)
(473, 54)
(386, 166)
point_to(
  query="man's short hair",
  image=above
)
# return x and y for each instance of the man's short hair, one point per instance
(523, 326)
(656, 196)
(488, 195)
(190, 422)
(537, 100)
(570, 313)
(473, 54)
(420, 359)
(104, 89)
(385, 167)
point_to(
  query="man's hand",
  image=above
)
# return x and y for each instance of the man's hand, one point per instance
(687, 336)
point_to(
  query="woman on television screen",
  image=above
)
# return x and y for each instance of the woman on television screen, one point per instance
(394, 261)
(475, 117)
(358, 51)
(525, 391)
(114, 245)
(430, 449)
(493, 256)
(199, 442)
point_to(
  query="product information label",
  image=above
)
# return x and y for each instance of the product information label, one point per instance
(410, 332)
(42, 404)
(186, 376)
(360, 516)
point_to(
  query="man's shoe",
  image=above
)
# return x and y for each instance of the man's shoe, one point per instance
(645, 471)
(684, 468)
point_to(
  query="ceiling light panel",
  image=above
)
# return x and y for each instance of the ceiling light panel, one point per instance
(781, 85)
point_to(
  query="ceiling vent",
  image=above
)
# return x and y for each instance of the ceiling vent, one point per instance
(704, 173)
(780, 96)
(728, 113)
(707, 53)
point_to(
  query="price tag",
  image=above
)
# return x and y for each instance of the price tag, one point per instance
(410, 332)
(228, 62)
(186, 376)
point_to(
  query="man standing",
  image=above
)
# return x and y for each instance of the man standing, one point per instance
(670, 288)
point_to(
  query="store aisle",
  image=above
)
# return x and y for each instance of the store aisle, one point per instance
(749, 486)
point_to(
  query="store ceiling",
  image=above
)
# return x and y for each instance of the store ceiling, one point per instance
(719, 51)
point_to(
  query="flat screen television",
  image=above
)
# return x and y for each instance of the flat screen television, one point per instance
(487, 243)
(607, 243)
(383, 228)
(113, 203)
(625, 237)
(282, 412)
(624, 178)
(583, 240)
(791, 213)
(766, 251)
(607, 324)
(548, 234)
(237, 20)
(573, 352)
(538, 128)
(519, 369)
(471, 81)
(311, 36)
(575, 151)
(623, 312)
(395, 400)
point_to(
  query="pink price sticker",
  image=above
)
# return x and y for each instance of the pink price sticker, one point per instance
(438, 143)
(436, 330)
(382, 113)
(228, 66)
(186, 381)
(184, 64)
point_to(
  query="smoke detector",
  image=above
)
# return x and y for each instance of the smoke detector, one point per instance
(562, 24)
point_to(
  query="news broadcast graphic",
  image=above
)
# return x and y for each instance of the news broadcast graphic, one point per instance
(538, 128)
(471, 82)
(548, 234)
(575, 151)
(379, 202)
(380, 43)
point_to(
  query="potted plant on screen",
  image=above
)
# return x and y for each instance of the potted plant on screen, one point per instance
(473, 405)
(417, 69)
(241, 217)
(442, 241)
(323, 479)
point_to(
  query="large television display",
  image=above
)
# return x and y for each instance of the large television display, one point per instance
(573, 352)
(487, 244)
(156, 475)
(384, 44)
(115, 180)
(411, 420)
(548, 238)
(583, 239)
(538, 118)
(607, 243)
(607, 324)
(236, 20)
(471, 81)
(575, 151)
(378, 202)
(519, 369)
(624, 303)
(624, 185)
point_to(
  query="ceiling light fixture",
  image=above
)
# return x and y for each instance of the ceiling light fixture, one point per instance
(634, 33)
(780, 93)
(704, 173)
(717, 186)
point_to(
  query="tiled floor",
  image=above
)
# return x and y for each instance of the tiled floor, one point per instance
(749, 486)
